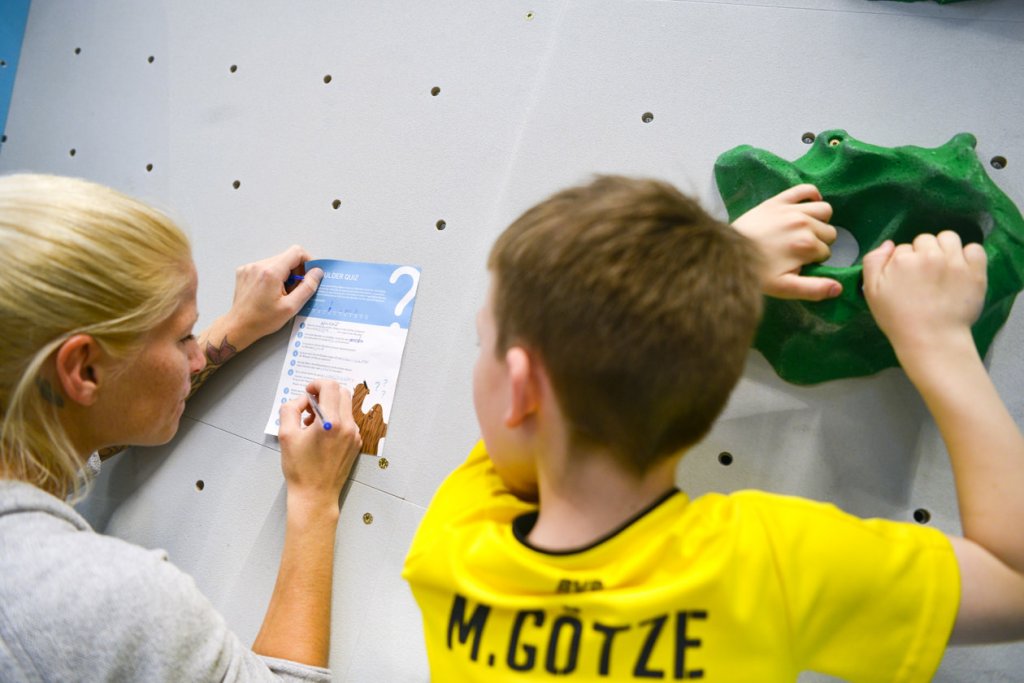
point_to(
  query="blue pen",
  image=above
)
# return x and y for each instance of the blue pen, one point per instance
(316, 409)
(292, 279)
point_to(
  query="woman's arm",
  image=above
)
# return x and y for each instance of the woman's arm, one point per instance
(262, 304)
(316, 463)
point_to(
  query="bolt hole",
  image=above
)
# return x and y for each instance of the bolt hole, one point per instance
(72, 152)
(998, 162)
(3, 63)
(78, 50)
(237, 184)
(530, 16)
(808, 138)
(336, 203)
(367, 518)
(435, 91)
(327, 78)
(151, 59)
(233, 68)
(200, 485)
(835, 142)
(725, 457)
(441, 225)
(647, 117)
(383, 463)
(149, 168)
(3, 138)
(922, 516)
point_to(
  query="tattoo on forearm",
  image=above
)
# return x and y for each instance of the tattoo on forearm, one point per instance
(216, 356)
(50, 395)
(221, 354)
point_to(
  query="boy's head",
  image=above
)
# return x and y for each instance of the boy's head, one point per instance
(640, 306)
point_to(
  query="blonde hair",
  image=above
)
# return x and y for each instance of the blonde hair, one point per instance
(76, 258)
(641, 305)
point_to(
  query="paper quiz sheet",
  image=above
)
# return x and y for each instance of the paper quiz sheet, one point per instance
(353, 331)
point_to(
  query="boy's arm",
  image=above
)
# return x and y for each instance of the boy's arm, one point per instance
(791, 229)
(925, 297)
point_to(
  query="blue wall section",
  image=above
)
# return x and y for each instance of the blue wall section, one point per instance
(13, 16)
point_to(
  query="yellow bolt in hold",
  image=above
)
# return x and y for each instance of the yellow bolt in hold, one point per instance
(367, 518)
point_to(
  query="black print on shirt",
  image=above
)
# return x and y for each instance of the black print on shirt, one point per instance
(574, 586)
(538, 640)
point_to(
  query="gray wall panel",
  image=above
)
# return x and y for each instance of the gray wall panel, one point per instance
(526, 106)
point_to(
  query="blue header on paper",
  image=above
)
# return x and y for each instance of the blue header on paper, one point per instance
(370, 293)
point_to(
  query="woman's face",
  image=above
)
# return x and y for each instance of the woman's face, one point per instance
(145, 396)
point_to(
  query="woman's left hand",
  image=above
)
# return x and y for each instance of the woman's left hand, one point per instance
(263, 303)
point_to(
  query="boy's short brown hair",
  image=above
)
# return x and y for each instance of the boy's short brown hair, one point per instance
(640, 305)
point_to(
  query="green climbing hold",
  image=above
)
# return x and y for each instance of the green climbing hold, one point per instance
(877, 193)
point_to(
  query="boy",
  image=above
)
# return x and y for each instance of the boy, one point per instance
(617, 324)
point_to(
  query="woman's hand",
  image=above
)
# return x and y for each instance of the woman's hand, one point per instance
(316, 462)
(262, 302)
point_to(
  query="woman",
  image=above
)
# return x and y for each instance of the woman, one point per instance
(97, 304)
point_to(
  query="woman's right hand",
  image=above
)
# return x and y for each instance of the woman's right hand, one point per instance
(316, 462)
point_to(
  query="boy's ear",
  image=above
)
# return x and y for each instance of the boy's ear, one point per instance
(523, 385)
(77, 369)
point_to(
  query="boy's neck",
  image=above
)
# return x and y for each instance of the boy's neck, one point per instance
(589, 499)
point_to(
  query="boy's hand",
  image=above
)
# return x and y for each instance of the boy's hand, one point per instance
(792, 230)
(928, 292)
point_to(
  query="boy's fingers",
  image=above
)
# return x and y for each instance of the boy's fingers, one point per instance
(875, 260)
(823, 231)
(903, 250)
(950, 243)
(820, 210)
(793, 286)
(811, 249)
(976, 257)
(799, 193)
(927, 242)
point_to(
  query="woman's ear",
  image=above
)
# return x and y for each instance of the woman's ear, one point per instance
(523, 385)
(77, 370)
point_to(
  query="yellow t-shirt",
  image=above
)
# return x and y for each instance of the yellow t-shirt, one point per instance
(747, 587)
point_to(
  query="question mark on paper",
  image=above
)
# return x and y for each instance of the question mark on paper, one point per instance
(411, 294)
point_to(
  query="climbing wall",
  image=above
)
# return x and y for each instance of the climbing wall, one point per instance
(411, 132)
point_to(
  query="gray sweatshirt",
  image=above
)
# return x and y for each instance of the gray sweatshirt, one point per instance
(76, 605)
